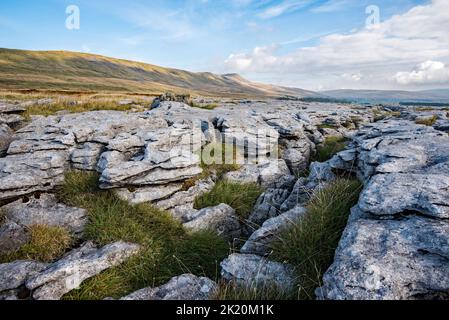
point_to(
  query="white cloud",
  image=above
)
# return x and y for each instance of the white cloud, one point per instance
(402, 41)
(283, 7)
(429, 72)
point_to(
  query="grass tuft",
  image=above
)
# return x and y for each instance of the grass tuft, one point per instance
(46, 245)
(310, 245)
(240, 196)
(210, 106)
(330, 147)
(167, 249)
(428, 121)
(229, 291)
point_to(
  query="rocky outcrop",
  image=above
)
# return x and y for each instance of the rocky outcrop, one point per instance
(396, 245)
(68, 273)
(184, 287)
(12, 236)
(252, 271)
(6, 137)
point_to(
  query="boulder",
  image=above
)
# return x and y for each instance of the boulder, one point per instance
(148, 194)
(185, 287)
(254, 271)
(68, 273)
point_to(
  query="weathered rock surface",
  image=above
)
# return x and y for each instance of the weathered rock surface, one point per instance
(6, 137)
(23, 174)
(12, 236)
(184, 287)
(68, 273)
(260, 241)
(254, 271)
(45, 210)
(269, 203)
(13, 276)
(396, 245)
(221, 219)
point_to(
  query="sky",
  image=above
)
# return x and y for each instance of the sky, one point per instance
(310, 44)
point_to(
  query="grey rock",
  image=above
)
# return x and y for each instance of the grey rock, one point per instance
(6, 137)
(68, 273)
(27, 173)
(13, 275)
(253, 271)
(148, 194)
(393, 194)
(12, 236)
(185, 287)
(45, 210)
(260, 241)
(221, 219)
(86, 156)
(390, 260)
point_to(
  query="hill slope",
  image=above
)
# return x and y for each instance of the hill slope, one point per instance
(62, 70)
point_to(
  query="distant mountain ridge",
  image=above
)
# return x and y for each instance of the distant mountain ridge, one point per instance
(72, 71)
(436, 95)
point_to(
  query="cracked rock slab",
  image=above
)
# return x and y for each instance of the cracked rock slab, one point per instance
(78, 265)
(45, 210)
(390, 260)
(185, 287)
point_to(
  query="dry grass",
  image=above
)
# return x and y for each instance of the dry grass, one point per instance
(428, 121)
(46, 245)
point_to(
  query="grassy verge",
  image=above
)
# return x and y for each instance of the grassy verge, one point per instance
(46, 245)
(209, 106)
(167, 249)
(84, 106)
(240, 196)
(310, 245)
(330, 147)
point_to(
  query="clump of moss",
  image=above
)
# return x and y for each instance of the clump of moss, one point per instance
(167, 249)
(428, 121)
(240, 196)
(310, 244)
(330, 147)
(46, 245)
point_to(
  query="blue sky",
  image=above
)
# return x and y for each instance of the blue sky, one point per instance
(265, 40)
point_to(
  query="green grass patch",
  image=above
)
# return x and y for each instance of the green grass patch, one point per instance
(209, 106)
(167, 249)
(229, 291)
(327, 126)
(330, 147)
(240, 196)
(46, 245)
(310, 245)
(428, 121)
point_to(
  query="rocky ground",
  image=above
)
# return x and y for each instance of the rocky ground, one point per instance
(396, 244)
